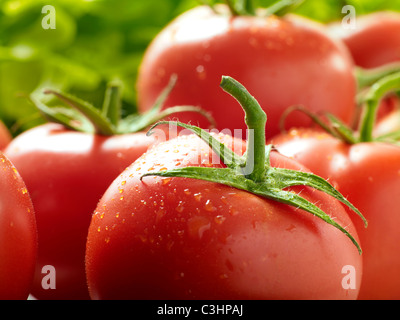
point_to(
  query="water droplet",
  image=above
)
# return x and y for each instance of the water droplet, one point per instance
(107, 239)
(233, 211)
(180, 207)
(187, 192)
(209, 206)
(224, 200)
(219, 219)
(160, 214)
(291, 228)
(197, 226)
(197, 196)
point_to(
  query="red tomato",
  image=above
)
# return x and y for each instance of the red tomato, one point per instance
(66, 173)
(368, 175)
(282, 61)
(5, 136)
(180, 238)
(18, 234)
(375, 41)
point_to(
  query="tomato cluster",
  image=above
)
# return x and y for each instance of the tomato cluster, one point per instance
(98, 209)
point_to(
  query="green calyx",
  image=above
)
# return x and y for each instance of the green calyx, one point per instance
(80, 115)
(368, 101)
(371, 100)
(252, 172)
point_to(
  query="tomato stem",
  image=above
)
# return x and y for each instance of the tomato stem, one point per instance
(372, 101)
(367, 77)
(255, 119)
(112, 103)
(107, 120)
(282, 7)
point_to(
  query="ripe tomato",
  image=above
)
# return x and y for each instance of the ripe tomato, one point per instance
(66, 173)
(18, 236)
(282, 61)
(368, 175)
(375, 41)
(5, 136)
(182, 238)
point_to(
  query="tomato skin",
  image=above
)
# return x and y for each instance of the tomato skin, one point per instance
(367, 174)
(179, 238)
(5, 136)
(375, 41)
(66, 173)
(18, 234)
(282, 61)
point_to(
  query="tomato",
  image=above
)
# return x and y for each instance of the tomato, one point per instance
(367, 174)
(66, 172)
(67, 164)
(180, 238)
(375, 41)
(5, 136)
(283, 61)
(18, 234)
(237, 221)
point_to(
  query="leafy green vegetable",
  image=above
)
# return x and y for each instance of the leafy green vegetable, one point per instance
(95, 42)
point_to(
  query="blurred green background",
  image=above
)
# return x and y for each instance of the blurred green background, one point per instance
(96, 41)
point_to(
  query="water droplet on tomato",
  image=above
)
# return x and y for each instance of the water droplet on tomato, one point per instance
(219, 219)
(209, 206)
(197, 226)
(180, 207)
(197, 196)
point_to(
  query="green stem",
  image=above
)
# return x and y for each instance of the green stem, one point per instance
(255, 119)
(111, 108)
(232, 8)
(367, 77)
(282, 7)
(102, 124)
(246, 7)
(372, 100)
